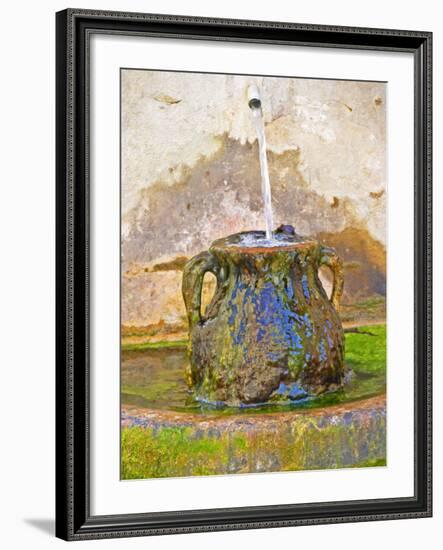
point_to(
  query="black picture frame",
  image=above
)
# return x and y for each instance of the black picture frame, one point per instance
(74, 28)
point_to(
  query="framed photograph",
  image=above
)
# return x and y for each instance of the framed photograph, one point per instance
(243, 274)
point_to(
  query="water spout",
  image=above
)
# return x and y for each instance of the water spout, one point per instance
(255, 104)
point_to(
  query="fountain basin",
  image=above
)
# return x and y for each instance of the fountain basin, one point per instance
(161, 443)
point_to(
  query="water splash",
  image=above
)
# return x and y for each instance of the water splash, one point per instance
(257, 115)
(254, 239)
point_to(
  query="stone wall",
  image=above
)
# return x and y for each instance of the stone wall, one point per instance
(190, 174)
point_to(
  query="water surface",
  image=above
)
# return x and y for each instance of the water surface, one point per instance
(154, 378)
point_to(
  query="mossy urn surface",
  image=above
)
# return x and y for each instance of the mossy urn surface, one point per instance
(270, 331)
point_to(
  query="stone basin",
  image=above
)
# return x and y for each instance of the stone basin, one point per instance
(186, 444)
(165, 433)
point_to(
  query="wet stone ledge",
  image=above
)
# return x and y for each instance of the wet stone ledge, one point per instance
(158, 443)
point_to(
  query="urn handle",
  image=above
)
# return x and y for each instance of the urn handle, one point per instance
(330, 258)
(192, 284)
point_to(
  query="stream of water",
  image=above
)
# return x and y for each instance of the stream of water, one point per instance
(257, 116)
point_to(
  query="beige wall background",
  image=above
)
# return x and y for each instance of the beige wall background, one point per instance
(190, 174)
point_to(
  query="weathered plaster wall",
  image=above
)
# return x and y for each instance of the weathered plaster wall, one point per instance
(190, 174)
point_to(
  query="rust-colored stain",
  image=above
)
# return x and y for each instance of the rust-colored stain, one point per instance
(335, 202)
(176, 264)
(364, 256)
(376, 194)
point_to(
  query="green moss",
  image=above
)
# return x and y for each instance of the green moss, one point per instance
(366, 353)
(239, 442)
(155, 345)
(169, 452)
(370, 463)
